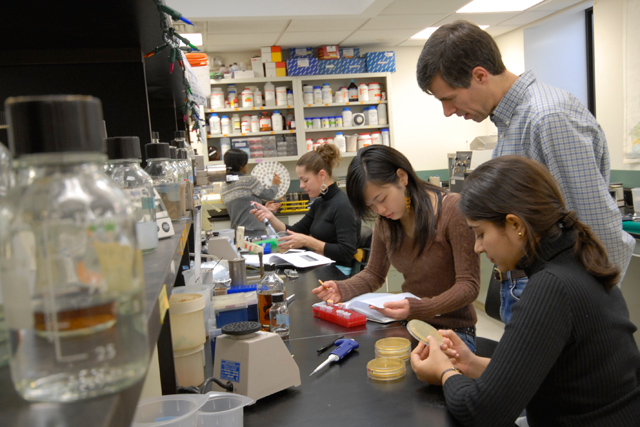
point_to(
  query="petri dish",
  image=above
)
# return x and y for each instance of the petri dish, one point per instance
(386, 369)
(421, 330)
(394, 347)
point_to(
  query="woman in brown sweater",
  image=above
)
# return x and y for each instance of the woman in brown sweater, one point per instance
(419, 231)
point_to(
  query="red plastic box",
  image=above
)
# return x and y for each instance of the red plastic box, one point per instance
(330, 313)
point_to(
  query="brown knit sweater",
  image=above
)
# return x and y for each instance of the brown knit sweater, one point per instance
(445, 275)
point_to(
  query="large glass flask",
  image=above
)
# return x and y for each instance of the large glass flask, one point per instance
(124, 169)
(269, 284)
(165, 178)
(69, 261)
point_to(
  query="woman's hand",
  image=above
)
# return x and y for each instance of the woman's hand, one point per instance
(273, 206)
(328, 291)
(398, 310)
(460, 355)
(293, 240)
(261, 212)
(429, 362)
(276, 180)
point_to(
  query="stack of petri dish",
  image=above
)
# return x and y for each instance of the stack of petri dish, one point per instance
(394, 347)
(386, 369)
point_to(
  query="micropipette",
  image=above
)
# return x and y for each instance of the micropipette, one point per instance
(344, 347)
(270, 227)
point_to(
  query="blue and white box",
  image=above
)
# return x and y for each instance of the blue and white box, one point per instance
(354, 65)
(330, 67)
(302, 66)
(300, 52)
(378, 62)
(349, 52)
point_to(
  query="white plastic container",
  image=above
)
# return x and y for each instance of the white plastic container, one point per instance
(372, 116)
(317, 123)
(376, 138)
(214, 124)
(374, 92)
(346, 117)
(235, 121)
(187, 320)
(345, 94)
(247, 98)
(281, 96)
(245, 124)
(232, 97)
(310, 143)
(339, 121)
(327, 95)
(352, 143)
(635, 192)
(189, 366)
(363, 92)
(325, 123)
(254, 123)
(276, 120)
(217, 98)
(223, 409)
(307, 94)
(269, 94)
(289, 97)
(339, 97)
(173, 410)
(257, 97)
(317, 95)
(225, 125)
(382, 114)
(364, 140)
(205, 291)
(385, 137)
(340, 142)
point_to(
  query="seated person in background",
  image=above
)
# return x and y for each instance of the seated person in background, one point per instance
(421, 233)
(568, 354)
(238, 195)
(329, 227)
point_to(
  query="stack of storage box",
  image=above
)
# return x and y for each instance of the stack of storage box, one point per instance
(337, 60)
(274, 66)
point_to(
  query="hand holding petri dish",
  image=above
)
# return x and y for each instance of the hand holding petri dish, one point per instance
(421, 330)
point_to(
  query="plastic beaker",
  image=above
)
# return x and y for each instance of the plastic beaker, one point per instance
(223, 409)
(174, 410)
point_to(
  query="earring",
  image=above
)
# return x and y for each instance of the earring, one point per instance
(324, 188)
(519, 233)
(407, 201)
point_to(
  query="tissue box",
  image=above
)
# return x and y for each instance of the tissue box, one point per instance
(256, 66)
(271, 54)
(300, 52)
(302, 66)
(353, 65)
(329, 52)
(381, 62)
(275, 69)
(349, 52)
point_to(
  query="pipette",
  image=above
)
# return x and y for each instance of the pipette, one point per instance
(344, 347)
(270, 227)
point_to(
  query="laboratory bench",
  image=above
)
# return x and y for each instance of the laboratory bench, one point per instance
(161, 268)
(342, 393)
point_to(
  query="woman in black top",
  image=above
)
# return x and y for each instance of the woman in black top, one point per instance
(568, 354)
(330, 227)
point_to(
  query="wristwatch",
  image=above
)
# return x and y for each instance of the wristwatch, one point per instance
(449, 370)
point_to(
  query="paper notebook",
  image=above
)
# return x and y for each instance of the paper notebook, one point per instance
(362, 302)
(296, 258)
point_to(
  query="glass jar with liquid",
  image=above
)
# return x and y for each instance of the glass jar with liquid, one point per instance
(124, 169)
(164, 177)
(269, 285)
(70, 266)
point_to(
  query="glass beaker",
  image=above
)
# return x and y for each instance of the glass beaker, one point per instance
(165, 178)
(70, 266)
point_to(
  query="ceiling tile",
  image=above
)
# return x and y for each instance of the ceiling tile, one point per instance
(312, 38)
(257, 39)
(325, 24)
(410, 7)
(375, 37)
(526, 18)
(479, 18)
(500, 29)
(555, 5)
(395, 22)
(231, 26)
(413, 43)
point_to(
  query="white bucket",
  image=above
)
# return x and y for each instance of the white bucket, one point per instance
(187, 321)
(189, 366)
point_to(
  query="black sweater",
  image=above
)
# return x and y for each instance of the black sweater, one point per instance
(568, 355)
(331, 219)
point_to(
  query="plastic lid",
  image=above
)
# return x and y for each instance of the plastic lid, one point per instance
(386, 369)
(55, 124)
(185, 303)
(338, 133)
(346, 109)
(393, 344)
(173, 151)
(279, 297)
(157, 150)
(421, 330)
(123, 147)
(182, 154)
(276, 112)
(269, 267)
(317, 87)
(180, 134)
(225, 116)
(325, 84)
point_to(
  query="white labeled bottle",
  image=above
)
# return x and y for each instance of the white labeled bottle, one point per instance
(340, 142)
(235, 124)
(257, 97)
(281, 96)
(346, 117)
(225, 125)
(269, 94)
(217, 98)
(276, 121)
(289, 97)
(214, 124)
(372, 116)
(374, 91)
(363, 93)
(245, 124)
(279, 315)
(327, 95)
(345, 94)
(382, 114)
(364, 140)
(247, 98)
(376, 138)
(307, 94)
(71, 264)
(317, 95)
(385, 137)
(254, 123)
(269, 284)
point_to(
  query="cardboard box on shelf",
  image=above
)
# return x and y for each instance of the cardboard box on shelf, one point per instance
(275, 69)
(343, 66)
(247, 74)
(381, 62)
(300, 52)
(271, 54)
(349, 52)
(257, 67)
(329, 52)
(302, 66)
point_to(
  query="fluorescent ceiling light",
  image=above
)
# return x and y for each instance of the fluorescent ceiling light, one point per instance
(426, 33)
(194, 38)
(487, 6)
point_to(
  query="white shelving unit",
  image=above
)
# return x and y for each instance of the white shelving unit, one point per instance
(301, 111)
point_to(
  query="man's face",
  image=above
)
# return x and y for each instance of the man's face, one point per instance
(469, 103)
